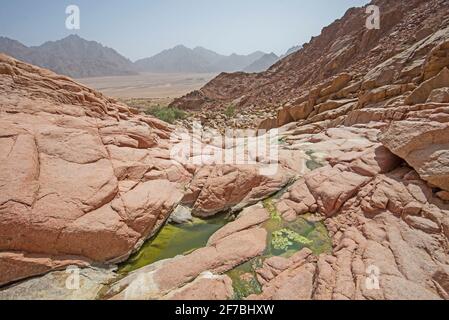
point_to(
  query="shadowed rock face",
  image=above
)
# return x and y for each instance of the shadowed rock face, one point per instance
(421, 137)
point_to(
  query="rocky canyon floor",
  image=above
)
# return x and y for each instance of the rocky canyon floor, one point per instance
(356, 208)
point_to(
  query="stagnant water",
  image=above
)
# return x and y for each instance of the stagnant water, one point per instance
(173, 240)
(284, 239)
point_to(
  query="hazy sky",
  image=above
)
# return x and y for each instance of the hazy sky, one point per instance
(141, 28)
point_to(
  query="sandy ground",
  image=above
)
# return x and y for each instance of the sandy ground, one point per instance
(149, 85)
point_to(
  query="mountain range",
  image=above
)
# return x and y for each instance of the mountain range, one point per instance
(269, 59)
(199, 59)
(263, 63)
(72, 56)
(79, 58)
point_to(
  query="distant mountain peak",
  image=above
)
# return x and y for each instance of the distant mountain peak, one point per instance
(181, 46)
(78, 58)
(291, 51)
(72, 56)
(73, 36)
(263, 63)
(200, 48)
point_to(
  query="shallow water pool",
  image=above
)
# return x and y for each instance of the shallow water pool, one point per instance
(284, 240)
(173, 240)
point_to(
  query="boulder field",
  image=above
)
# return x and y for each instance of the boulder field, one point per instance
(363, 147)
(85, 180)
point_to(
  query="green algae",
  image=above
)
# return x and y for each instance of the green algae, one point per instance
(313, 163)
(173, 240)
(272, 210)
(284, 239)
(322, 242)
(244, 279)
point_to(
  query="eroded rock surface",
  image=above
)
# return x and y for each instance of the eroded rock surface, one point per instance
(85, 179)
(218, 188)
(78, 180)
(389, 234)
(159, 279)
(62, 285)
(363, 145)
(347, 61)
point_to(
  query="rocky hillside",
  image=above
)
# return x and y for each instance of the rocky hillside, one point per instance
(357, 208)
(291, 51)
(336, 65)
(71, 56)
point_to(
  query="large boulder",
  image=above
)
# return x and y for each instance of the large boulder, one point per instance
(424, 91)
(82, 178)
(423, 142)
(73, 284)
(218, 188)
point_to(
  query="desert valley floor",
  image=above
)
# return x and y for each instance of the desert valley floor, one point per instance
(157, 86)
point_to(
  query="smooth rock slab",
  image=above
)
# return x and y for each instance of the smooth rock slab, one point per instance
(53, 286)
(206, 287)
(250, 217)
(82, 177)
(219, 188)
(159, 279)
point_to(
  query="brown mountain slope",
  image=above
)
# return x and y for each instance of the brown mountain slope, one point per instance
(346, 46)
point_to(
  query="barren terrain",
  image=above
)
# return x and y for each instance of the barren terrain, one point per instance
(356, 208)
(149, 85)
